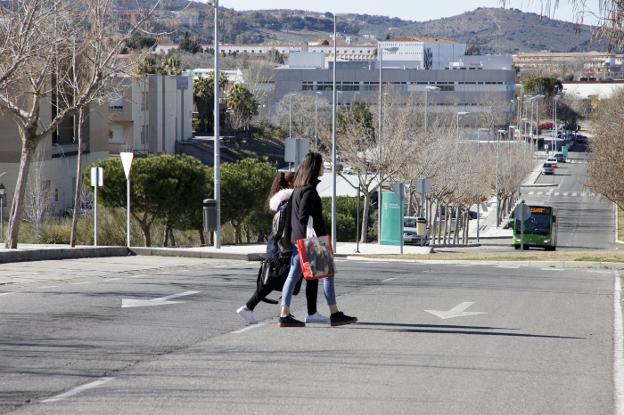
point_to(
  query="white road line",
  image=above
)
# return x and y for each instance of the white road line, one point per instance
(599, 272)
(112, 279)
(249, 328)
(557, 193)
(138, 276)
(3, 294)
(540, 193)
(77, 390)
(79, 283)
(618, 345)
(574, 194)
(389, 279)
(552, 269)
(531, 193)
(508, 266)
(48, 286)
(566, 194)
(583, 194)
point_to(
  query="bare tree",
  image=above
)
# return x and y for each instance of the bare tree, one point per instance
(606, 162)
(45, 37)
(307, 114)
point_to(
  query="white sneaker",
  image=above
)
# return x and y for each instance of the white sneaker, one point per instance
(316, 318)
(247, 314)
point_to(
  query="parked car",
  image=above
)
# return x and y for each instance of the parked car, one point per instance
(410, 231)
(559, 157)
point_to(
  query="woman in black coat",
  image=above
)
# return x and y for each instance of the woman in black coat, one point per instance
(306, 203)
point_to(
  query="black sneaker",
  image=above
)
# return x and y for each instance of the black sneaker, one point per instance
(341, 319)
(289, 321)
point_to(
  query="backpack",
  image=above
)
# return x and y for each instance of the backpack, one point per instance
(279, 243)
(275, 266)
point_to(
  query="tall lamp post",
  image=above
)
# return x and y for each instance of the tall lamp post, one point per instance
(2, 196)
(427, 89)
(333, 204)
(217, 142)
(380, 51)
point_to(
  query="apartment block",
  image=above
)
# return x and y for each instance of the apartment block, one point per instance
(146, 115)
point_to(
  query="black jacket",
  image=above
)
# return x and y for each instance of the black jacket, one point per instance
(306, 202)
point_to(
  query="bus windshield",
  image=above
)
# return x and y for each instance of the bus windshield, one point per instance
(539, 223)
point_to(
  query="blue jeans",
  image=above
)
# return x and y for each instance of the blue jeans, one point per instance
(295, 274)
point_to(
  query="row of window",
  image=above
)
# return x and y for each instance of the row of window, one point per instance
(445, 86)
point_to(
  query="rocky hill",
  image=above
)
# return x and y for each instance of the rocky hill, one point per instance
(490, 30)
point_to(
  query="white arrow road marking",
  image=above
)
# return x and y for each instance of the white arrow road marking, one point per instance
(77, 390)
(457, 311)
(129, 303)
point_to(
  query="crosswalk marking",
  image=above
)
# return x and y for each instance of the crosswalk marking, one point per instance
(563, 194)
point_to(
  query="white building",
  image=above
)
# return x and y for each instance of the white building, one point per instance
(421, 53)
(233, 75)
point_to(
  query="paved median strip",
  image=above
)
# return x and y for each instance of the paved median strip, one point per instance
(78, 390)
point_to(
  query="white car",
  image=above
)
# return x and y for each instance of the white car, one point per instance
(552, 160)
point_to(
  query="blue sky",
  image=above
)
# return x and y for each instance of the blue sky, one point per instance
(407, 9)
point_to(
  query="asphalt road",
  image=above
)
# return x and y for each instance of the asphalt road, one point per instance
(543, 343)
(585, 220)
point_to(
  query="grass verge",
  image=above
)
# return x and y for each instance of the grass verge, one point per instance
(611, 256)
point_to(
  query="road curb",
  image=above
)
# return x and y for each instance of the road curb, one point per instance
(61, 253)
(619, 266)
(174, 252)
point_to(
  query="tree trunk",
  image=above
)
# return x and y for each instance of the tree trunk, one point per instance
(77, 202)
(166, 235)
(17, 205)
(146, 229)
(446, 224)
(172, 240)
(467, 227)
(237, 232)
(457, 213)
(364, 223)
(434, 228)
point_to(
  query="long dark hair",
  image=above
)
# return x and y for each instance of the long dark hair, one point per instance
(309, 170)
(283, 180)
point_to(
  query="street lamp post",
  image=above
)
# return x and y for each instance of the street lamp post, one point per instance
(427, 89)
(316, 95)
(217, 142)
(2, 196)
(379, 192)
(333, 204)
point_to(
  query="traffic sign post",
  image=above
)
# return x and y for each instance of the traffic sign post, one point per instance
(97, 180)
(522, 213)
(423, 187)
(126, 160)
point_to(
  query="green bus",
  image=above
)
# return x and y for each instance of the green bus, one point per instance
(540, 229)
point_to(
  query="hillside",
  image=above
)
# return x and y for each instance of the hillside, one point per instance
(491, 30)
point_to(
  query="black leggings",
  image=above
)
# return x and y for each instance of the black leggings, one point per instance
(311, 295)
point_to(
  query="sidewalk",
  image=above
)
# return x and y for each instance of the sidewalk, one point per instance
(33, 252)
